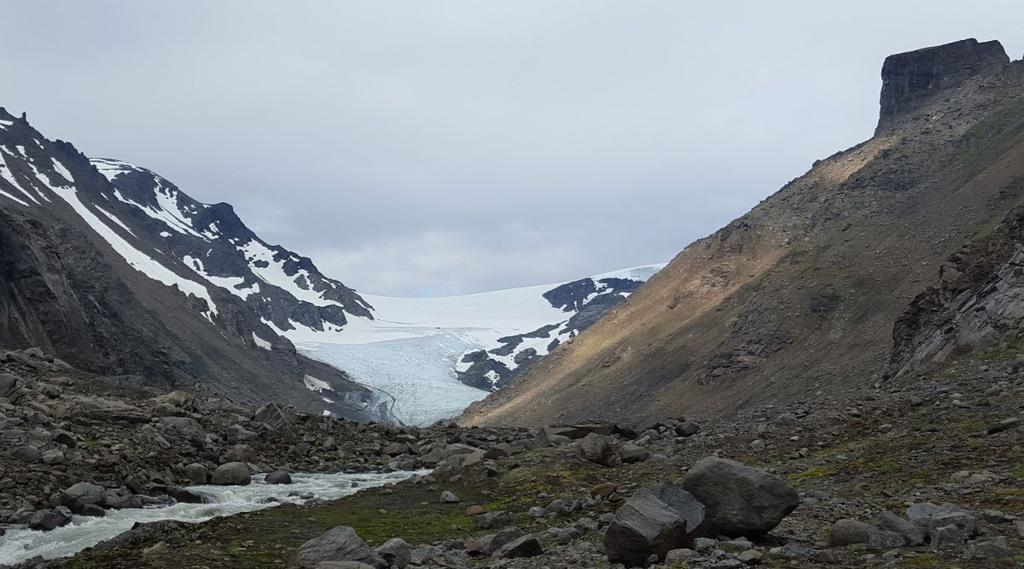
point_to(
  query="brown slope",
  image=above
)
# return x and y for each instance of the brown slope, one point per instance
(800, 294)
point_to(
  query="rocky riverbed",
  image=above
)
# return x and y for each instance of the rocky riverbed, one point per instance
(924, 472)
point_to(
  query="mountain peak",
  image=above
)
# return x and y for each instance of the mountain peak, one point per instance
(910, 79)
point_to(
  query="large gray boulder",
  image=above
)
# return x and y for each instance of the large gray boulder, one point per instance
(740, 500)
(928, 517)
(82, 494)
(231, 474)
(655, 520)
(197, 473)
(396, 552)
(47, 520)
(184, 428)
(599, 450)
(337, 544)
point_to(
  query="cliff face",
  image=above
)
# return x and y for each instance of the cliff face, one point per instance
(910, 80)
(799, 296)
(977, 305)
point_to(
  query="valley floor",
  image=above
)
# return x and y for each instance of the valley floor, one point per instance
(949, 437)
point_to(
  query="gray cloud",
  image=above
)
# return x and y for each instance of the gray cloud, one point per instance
(443, 147)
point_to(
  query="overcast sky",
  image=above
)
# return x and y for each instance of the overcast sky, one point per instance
(426, 148)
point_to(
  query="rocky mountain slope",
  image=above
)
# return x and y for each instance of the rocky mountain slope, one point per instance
(114, 270)
(799, 296)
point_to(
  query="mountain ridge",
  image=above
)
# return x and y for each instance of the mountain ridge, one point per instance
(760, 310)
(81, 283)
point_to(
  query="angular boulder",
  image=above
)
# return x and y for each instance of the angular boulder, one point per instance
(740, 500)
(599, 450)
(79, 495)
(184, 428)
(337, 544)
(396, 552)
(526, 546)
(47, 520)
(655, 521)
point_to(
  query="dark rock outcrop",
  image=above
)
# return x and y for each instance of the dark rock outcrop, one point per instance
(740, 500)
(655, 521)
(910, 80)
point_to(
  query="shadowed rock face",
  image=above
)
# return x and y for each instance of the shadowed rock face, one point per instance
(910, 79)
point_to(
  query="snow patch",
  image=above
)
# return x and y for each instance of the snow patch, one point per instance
(260, 342)
(8, 176)
(137, 259)
(62, 171)
(263, 264)
(113, 218)
(318, 385)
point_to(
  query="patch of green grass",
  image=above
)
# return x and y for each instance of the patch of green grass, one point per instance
(822, 471)
(924, 561)
(416, 526)
(1018, 472)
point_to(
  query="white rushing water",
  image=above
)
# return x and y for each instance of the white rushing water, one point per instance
(23, 544)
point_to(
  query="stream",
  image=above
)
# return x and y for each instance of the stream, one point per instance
(22, 544)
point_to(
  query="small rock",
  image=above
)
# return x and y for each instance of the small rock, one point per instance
(994, 548)
(449, 497)
(883, 539)
(947, 537)
(750, 557)
(493, 520)
(526, 546)
(278, 477)
(52, 457)
(26, 454)
(633, 453)
(890, 522)
(681, 555)
(848, 532)
(1004, 425)
(604, 490)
